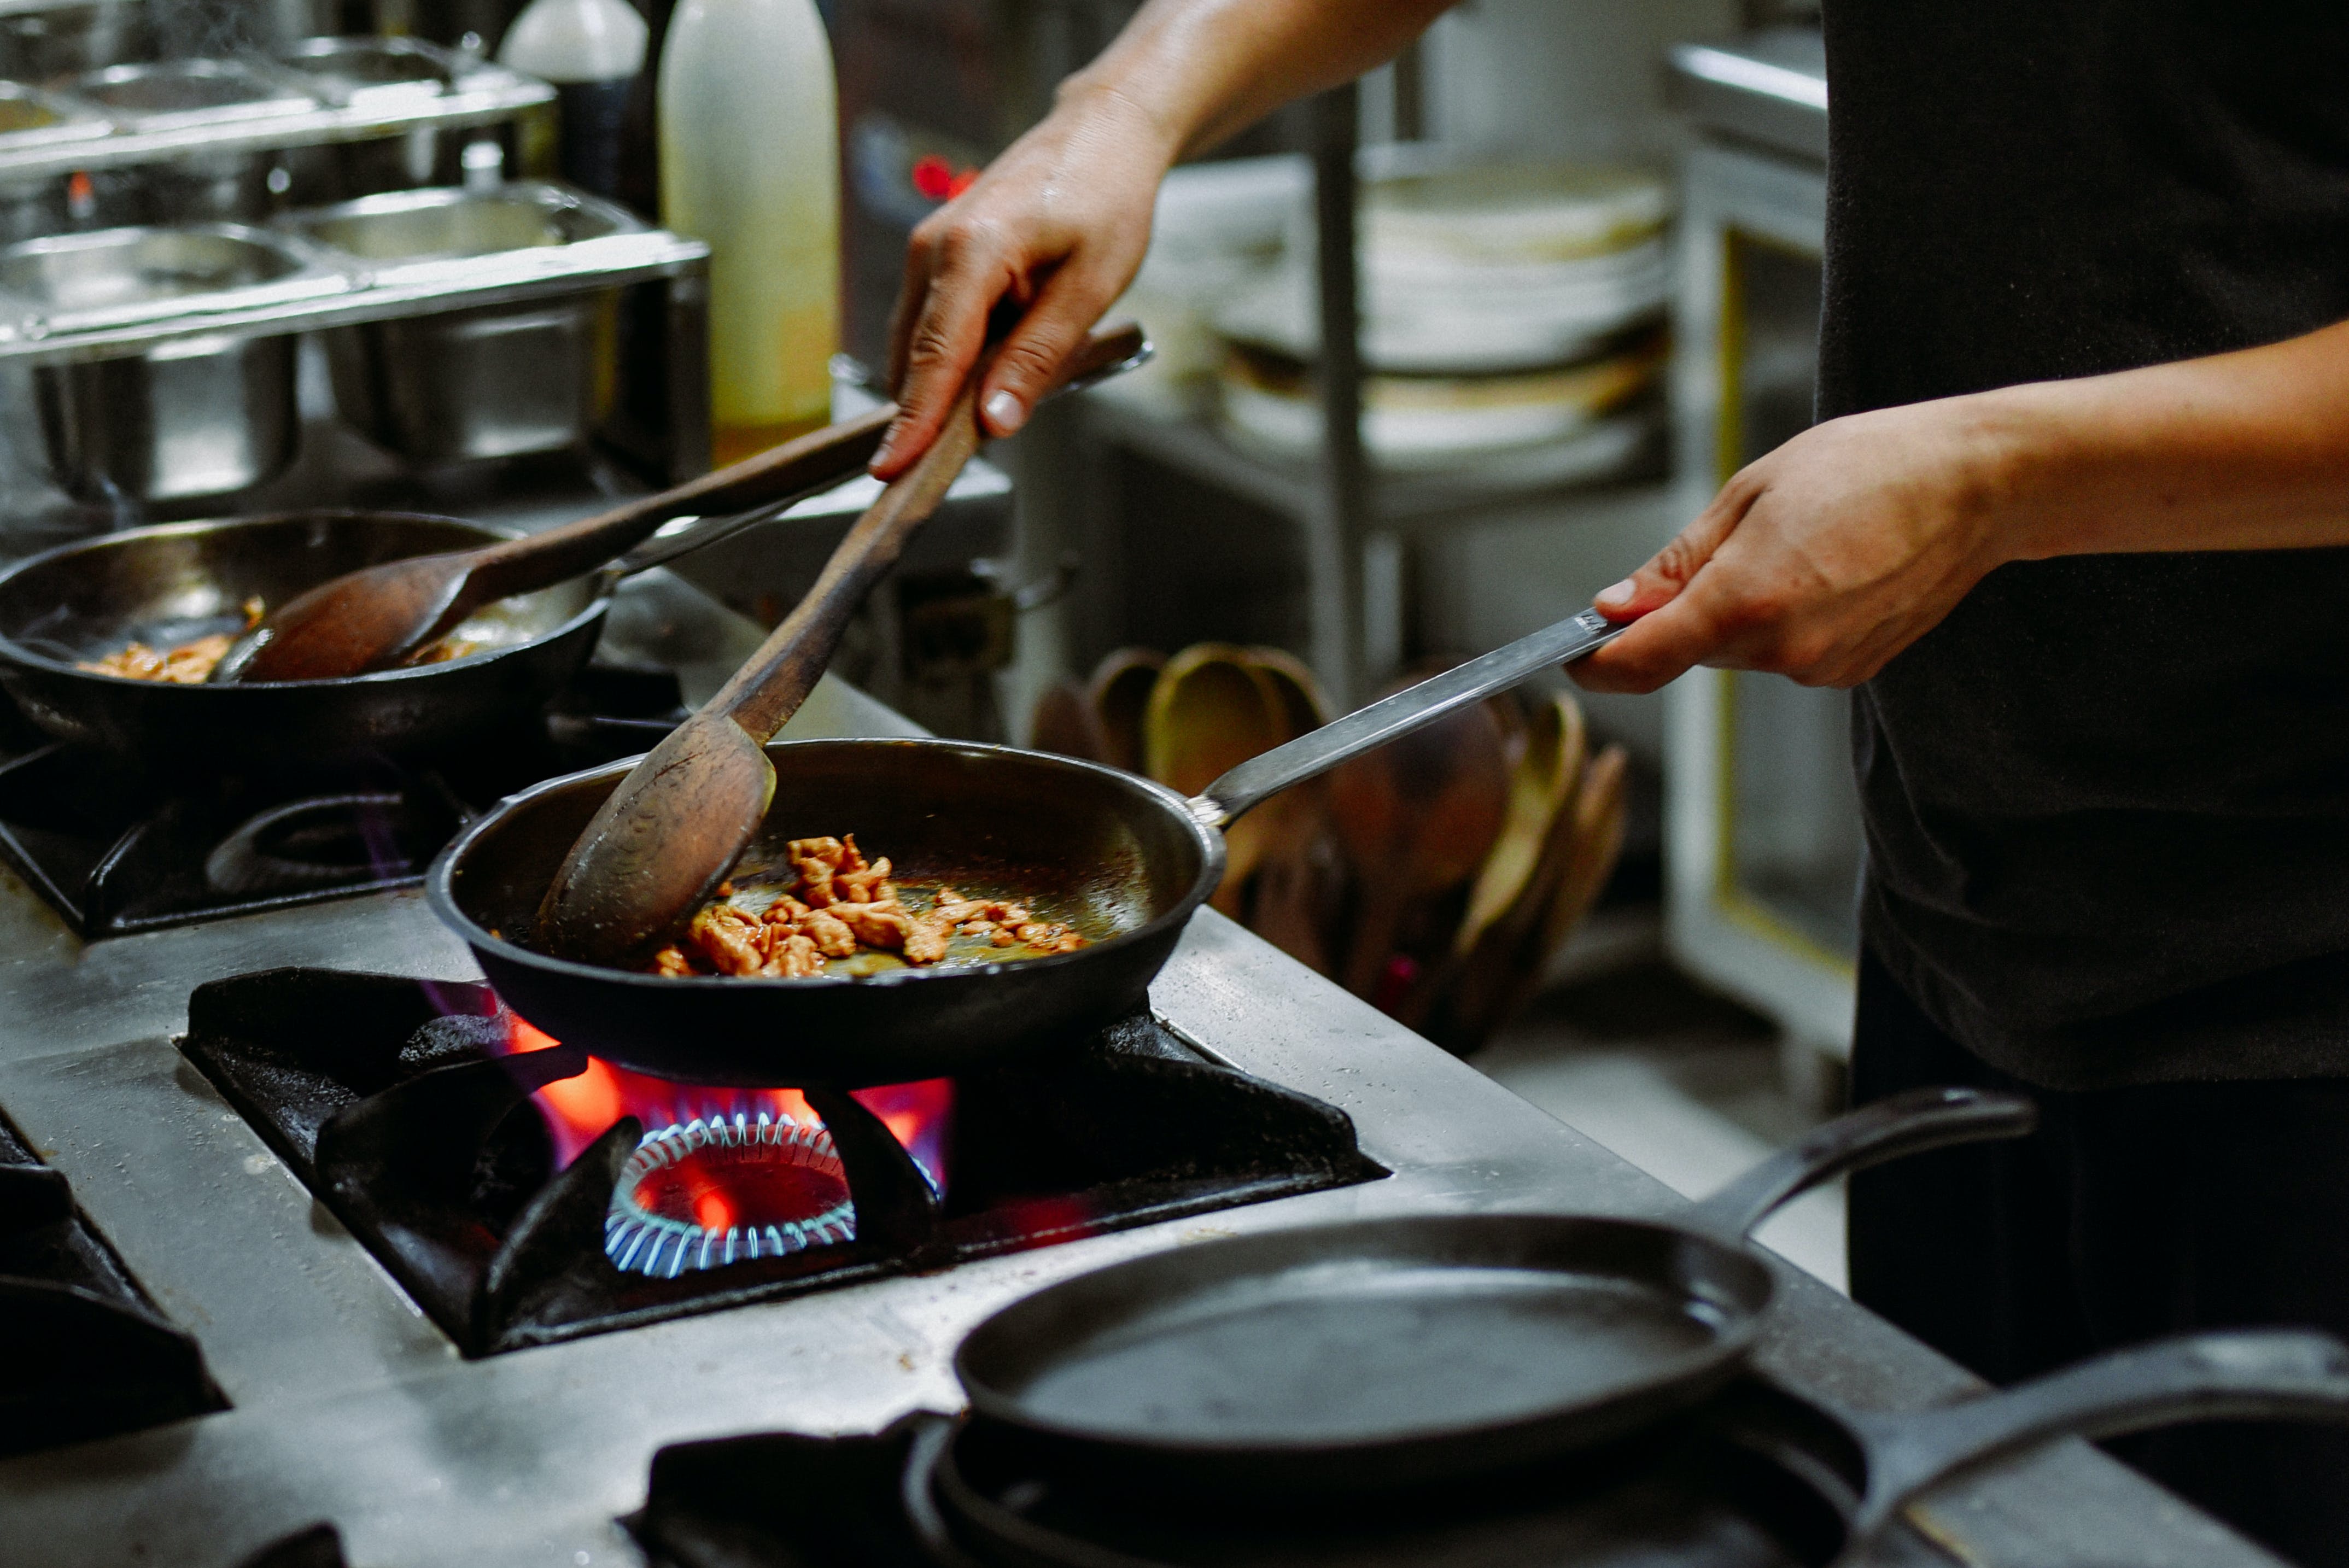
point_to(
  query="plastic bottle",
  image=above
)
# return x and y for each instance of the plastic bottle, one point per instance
(591, 50)
(749, 163)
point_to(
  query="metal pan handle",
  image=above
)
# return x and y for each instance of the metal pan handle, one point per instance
(1911, 1123)
(2268, 1374)
(1368, 729)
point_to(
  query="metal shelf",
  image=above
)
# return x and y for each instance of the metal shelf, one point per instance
(1397, 502)
(479, 94)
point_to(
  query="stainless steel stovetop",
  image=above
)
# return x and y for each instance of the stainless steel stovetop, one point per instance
(350, 1407)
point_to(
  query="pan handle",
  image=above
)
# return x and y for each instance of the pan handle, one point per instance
(918, 1492)
(2263, 1373)
(1911, 1123)
(1368, 729)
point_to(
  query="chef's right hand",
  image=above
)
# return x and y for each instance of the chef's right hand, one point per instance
(1057, 226)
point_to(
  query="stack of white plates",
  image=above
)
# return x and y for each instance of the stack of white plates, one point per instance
(1502, 307)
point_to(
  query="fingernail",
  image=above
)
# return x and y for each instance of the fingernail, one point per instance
(882, 453)
(1621, 593)
(1004, 414)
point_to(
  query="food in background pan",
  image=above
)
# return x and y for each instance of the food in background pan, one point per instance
(185, 664)
(844, 910)
(191, 663)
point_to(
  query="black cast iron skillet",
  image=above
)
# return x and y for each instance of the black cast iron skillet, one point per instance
(172, 582)
(1123, 859)
(1759, 1479)
(1361, 1356)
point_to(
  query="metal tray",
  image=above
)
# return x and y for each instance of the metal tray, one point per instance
(321, 91)
(30, 117)
(600, 246)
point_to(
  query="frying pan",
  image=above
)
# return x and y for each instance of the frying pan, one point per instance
(175, 581)
(1762, 1477)
(1123, 859)
(1389, 1352)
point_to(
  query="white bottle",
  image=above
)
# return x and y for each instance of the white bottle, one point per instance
(749, 163)
(591, 50)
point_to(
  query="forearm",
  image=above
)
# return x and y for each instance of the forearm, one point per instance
(2247, 451)
(1199, 70)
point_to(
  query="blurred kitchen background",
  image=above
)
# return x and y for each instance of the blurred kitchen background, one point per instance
(1440, 356)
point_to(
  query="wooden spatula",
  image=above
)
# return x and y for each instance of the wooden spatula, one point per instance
(666, 837)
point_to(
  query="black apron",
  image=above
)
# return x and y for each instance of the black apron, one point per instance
(2107, 799)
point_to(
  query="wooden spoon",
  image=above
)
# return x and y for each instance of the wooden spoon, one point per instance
(381, 617)
(661, 843)
(1120, 692)
(1211, 710)
(1416, 819)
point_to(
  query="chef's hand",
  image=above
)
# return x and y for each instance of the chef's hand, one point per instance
(1056, 226)
(1820, 561)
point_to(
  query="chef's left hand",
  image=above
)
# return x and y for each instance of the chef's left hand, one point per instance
(1820, 561)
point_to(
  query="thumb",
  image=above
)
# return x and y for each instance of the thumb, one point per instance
(1659, 581)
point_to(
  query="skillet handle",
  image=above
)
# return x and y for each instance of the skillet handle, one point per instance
(918, 1492)
(2262, 1374)
(1368, 729)
(1912, 1124)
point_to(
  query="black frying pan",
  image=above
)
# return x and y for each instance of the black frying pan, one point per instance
(1759, 1479)
(1125, 860)
(172, 582)
(1387, 1352)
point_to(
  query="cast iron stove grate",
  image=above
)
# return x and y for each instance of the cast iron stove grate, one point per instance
(116, 853)
(399, 1102)
(89, 1355)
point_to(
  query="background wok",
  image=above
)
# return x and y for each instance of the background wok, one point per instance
(174, 582)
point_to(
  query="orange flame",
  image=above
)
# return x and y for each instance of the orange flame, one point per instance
(581, 1109)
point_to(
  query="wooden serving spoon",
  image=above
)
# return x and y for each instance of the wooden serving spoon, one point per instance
(379, 618)
(660, 844)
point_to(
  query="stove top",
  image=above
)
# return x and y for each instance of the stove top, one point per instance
(114, 854)
(404, 1107)
(358, 1420)
(100, 1358)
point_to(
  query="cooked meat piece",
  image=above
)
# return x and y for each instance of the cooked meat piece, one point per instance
(729, 938)
(876, 924)
(826, 853)
(829, 933)
(1068, 943)
(672, 962)
(786, 910)
(796, 958)
(870, 885)
(186, 664)
(1003, 939)
(1038, 931)
(926, 940)
(851, 858)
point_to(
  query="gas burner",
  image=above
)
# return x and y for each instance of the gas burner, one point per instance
(721, 1189)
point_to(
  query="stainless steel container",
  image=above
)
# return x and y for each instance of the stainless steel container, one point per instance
(192, 417)
(395, 75)
(195, 187)
(44, 39)
(493, 382)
